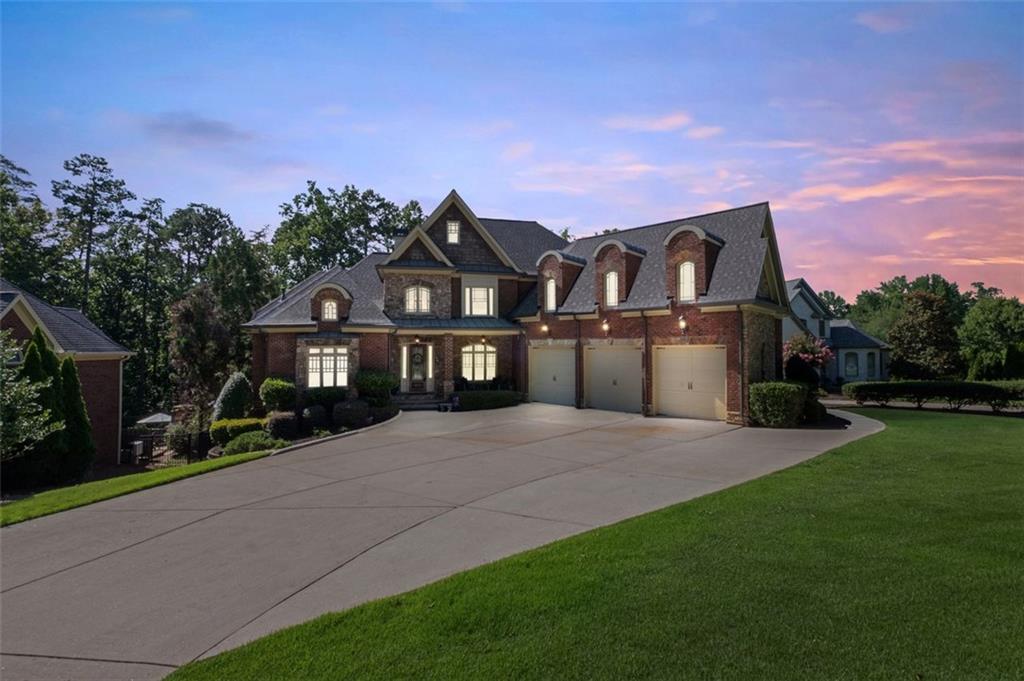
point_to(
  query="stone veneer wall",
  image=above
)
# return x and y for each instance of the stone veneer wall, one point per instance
(440, 286)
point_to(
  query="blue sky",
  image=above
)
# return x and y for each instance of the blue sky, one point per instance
(888, 138)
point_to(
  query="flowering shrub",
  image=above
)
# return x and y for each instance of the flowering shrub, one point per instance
(811, 350)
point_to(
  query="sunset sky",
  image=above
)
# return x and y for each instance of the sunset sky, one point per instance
(889, 139)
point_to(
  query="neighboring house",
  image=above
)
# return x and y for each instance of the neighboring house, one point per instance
(97, 357)
(676, 318)
(858, 356)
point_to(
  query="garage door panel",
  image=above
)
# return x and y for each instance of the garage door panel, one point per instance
(689, 381)
(615, 378)
(553, 375)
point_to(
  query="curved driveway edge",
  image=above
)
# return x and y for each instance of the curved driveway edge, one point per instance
(135, 586)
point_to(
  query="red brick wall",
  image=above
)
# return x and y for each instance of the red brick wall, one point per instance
(101, 384)
(17, 327)
(281, 355)
(687, 246)
(609, 259)
(564, 273)
(374, 351)
(506, 347)
(315, 307)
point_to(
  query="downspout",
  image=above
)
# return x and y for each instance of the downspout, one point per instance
(743, 369)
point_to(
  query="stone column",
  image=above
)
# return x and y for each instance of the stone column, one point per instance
(448, 366)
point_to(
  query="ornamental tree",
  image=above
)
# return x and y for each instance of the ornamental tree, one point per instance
(923, 338)
(813, 351)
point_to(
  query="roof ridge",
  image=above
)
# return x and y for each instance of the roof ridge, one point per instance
(665, 222)
(536, 222)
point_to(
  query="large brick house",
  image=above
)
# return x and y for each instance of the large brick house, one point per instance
(676, 318)
(98, 359)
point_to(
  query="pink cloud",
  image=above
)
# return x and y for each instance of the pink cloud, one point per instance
(664, 123)
(883, 21)
(703, 132)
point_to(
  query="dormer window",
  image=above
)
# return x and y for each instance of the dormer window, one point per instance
(550, 291)
(611, 289)
(687, 283)
(417, 299)
(453, 231)
(329, 310)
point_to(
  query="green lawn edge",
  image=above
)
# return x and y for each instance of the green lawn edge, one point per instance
(66, 498)
(899, 555)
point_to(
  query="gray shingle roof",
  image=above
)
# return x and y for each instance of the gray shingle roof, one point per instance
(482, 323)
(737, 270)
(845, 334)
(71, 329)
(793, 288)
(527, 306)
(523, 240)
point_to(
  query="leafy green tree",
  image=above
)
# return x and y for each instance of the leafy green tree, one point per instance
(199, 347)
(234, 399)
(835, 304)
(991, 331)
(876, 310)
(77, 430)
(923, 338)
(24, 422)
(28, 255)
(193, 234)
(92, 201)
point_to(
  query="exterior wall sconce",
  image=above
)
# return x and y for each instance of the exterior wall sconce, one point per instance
(544, 328)
(682, 323)
(483, 339)
(416, 339)
(605, 326)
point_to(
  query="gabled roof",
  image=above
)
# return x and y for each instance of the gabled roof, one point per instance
(747, 239)
(453, 199)
(523, 240)
(795, 287)
(418, 233)
(845, 334)
(69, 329)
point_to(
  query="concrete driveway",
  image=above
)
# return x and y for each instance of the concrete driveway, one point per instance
(136, 586)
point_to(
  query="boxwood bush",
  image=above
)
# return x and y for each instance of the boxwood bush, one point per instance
(473, 400)
(278, 394)
(253, 441)
(282, 425)
(351, 414)
(375, 386)
(234, 398)
(998, 395)
(325, 397)
(777, 404)
(225, 430)
(381, 414)
(314, 418)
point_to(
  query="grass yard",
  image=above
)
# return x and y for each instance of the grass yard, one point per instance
(65, 498)
(900, 556)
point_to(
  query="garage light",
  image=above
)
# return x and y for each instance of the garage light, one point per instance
(605, 326)
(544, 328)
(682, 323)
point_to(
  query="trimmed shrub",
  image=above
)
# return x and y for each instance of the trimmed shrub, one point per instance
(278, 394)
(998, 395)
(776, 404)
(253, 441)
(234, 398)
(351, 414)
(381, 414)
(282, 425)
(177, 438)
(325, 397)
(225, 430)
(314, 418)
(77, 430)
(474, 400)
(375, 386)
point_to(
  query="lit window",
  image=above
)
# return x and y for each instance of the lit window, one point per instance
(479, 362)
(453, 231)
(329, 310)
(687, 288)
(479, 301)
(852, 365)
(326, 367)
(417, 299)
(550, 301)
(611, 289)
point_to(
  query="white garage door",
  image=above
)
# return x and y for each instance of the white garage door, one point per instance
(553, 375)
(689, 381)
(614, 378)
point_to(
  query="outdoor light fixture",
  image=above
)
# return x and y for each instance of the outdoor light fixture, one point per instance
(605, 326)
(415, 339)
(544, 328)
(682, 323)
(483, 339)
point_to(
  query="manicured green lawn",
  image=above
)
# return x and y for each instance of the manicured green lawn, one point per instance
(65, 498)
(900, 556)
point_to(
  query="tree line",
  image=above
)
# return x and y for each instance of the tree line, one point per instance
(935, 330)
(174, 286)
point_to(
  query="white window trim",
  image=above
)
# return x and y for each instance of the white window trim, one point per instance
(456, 233)
(329, 310)
(420, 299)
(686, 273)
(481, 361)
(467, 298)
(317, 371)
(611, 278)
(550, 295)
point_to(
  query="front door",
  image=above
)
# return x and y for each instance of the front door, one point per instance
(417, 368)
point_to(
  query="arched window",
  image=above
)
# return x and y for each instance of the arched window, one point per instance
(687, 285)
(329, 310)
(417, 299)
(550, 301)
(479, 362)
(611, 289)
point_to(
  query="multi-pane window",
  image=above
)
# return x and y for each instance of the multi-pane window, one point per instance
(479, 301)
(329, 310)
(453, 231)
(687, 286)
(550, 300)
(326, 366)
(611, 289)
(479, 362)
(417, 299)
(852, 365)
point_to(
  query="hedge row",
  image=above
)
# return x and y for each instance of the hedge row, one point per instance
(226, 430)
(957, 394)
(473, 400)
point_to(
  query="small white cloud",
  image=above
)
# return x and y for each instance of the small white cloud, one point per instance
(704, 132)
(665, 123)
(517, 150)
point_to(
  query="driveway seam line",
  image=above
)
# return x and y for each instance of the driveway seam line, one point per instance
(89, 659)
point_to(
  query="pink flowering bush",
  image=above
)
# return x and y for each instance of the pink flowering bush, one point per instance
(811, 350)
